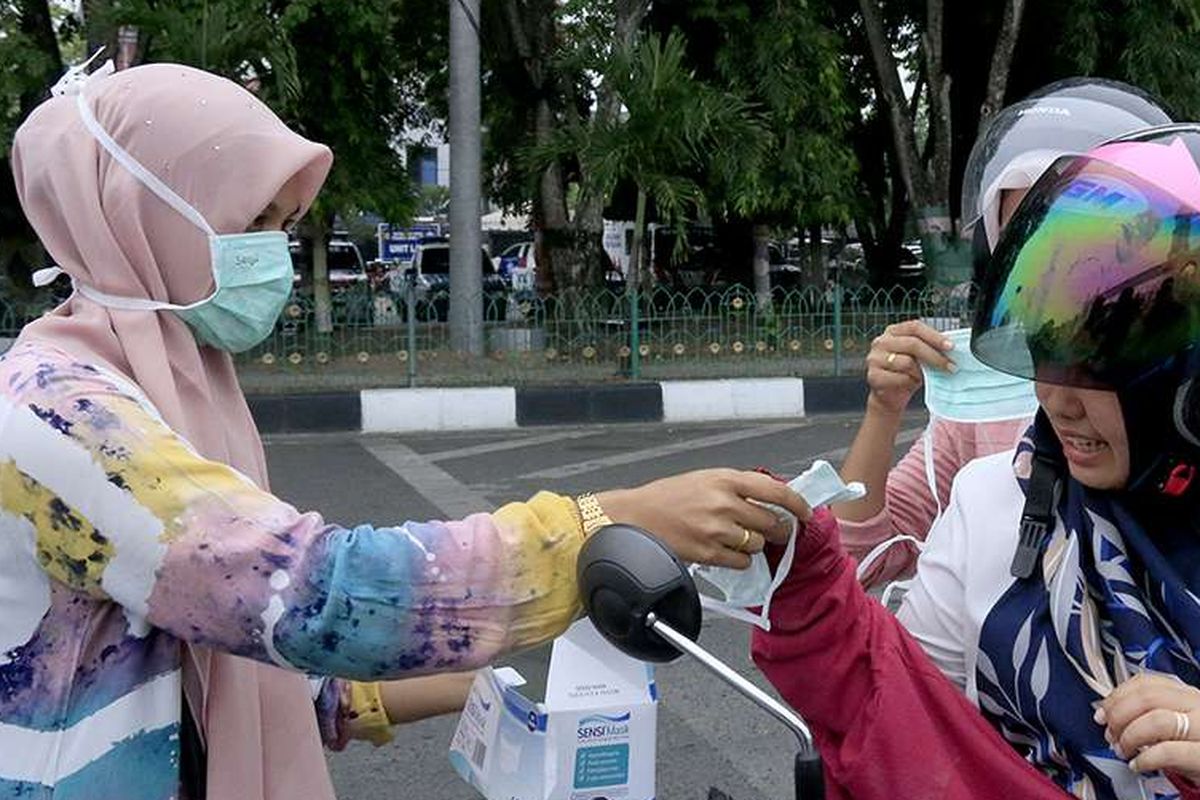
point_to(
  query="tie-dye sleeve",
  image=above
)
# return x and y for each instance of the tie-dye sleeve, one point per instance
(123, 508)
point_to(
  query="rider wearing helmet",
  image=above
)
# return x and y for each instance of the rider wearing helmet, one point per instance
(1060, 592)
(1068, 117)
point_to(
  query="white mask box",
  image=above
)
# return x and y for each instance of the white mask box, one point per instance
(593, 737)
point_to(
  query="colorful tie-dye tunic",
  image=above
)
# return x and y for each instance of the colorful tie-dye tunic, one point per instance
(118, 541)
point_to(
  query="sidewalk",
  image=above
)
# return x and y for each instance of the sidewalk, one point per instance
(393, 410)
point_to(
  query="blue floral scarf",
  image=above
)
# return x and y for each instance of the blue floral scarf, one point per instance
(1113, 601)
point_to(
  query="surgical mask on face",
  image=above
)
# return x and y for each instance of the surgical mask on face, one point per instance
(252, 272)
(975, 392)
(739, 590)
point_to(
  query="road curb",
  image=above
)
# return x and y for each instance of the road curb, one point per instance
(496, 407)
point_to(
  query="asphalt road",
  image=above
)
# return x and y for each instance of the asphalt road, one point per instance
(710, 741)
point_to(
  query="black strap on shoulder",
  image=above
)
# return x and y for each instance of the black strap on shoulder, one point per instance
(193, 760)
(1037, 518)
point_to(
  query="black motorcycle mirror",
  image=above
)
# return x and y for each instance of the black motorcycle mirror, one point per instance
(642, 599)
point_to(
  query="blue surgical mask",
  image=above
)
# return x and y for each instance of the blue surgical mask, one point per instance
(975, 392)
(252, 272)
(739, 590)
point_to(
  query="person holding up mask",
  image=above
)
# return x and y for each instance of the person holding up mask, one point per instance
(974, 411)
(161, 610)
(1048, 646)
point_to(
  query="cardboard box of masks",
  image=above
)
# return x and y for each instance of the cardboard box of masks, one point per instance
(591, 738)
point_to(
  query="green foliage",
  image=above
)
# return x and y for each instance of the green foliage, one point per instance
(27, 68)
(352, 97)
(781, 59)
(434, 201)
(21, 64)
(1154, 44)
(672, 127)
(240, 40)
(326, 67)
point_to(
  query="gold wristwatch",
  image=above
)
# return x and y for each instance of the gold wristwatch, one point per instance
(591, 514)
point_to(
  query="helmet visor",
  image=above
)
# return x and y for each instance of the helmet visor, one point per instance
(1096, 281)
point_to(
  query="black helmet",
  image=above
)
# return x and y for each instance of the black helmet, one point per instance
(1068, 117)
(1095, 282)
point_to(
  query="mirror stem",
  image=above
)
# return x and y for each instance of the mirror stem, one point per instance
(778, 710)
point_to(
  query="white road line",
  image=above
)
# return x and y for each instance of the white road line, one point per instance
(685, 446)
(508, 444)
(452, 497)
(835, 456)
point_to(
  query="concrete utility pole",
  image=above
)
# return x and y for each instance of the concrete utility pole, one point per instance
(466, 274)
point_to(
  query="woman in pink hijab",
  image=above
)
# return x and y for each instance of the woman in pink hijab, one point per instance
(160, 608)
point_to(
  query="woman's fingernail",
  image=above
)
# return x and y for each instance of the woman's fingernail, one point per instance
(952, 367)
(947, 344)
(1133, 765)
(1100, 716)
(1117, 751)
(1108, 737)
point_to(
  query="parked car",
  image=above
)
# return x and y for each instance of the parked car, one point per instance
(912, 259)
(343, 260)
(431, 271)
(349, 284)
(517, 264)
(785, 271)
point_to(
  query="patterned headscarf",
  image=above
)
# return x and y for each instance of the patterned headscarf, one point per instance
(1112, 601)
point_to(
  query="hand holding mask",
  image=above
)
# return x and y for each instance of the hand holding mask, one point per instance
(739, 590)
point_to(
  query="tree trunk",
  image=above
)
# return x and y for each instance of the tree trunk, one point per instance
(322, 300)
(530, 26)
(938, 169)
(928, 186)
(1006, 42)
(896, 106)
(90, 11)
(817, 270)
(552, 198)
(38, 25)
(127, 47)
(589, 215)
(762, 269)
(639, 235)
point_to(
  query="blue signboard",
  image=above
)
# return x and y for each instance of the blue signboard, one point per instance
(399, 245)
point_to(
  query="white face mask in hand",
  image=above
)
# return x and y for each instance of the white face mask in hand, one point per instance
(742, 589)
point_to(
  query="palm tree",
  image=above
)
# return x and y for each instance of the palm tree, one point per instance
(670, 128)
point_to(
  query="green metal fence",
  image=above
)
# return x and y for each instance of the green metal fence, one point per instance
(384, 338)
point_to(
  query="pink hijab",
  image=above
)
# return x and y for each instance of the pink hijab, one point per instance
(226, 154)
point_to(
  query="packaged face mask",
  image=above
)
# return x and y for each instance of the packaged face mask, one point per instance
(743, 589)
(975, 392)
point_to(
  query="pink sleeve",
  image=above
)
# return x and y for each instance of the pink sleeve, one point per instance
(909, 505)
(872, 696)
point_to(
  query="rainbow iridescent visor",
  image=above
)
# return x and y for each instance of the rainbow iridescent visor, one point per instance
(1095, 281)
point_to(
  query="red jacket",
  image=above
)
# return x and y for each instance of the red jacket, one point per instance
(888, 723)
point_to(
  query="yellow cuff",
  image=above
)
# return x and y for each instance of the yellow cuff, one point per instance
(368, 718)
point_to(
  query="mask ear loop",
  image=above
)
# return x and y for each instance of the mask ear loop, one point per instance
(878, 551)
(930, 472)
(151, 181)
(75, 83)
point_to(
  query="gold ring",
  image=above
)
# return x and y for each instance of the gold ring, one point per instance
(741, 548)
(891, 357)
